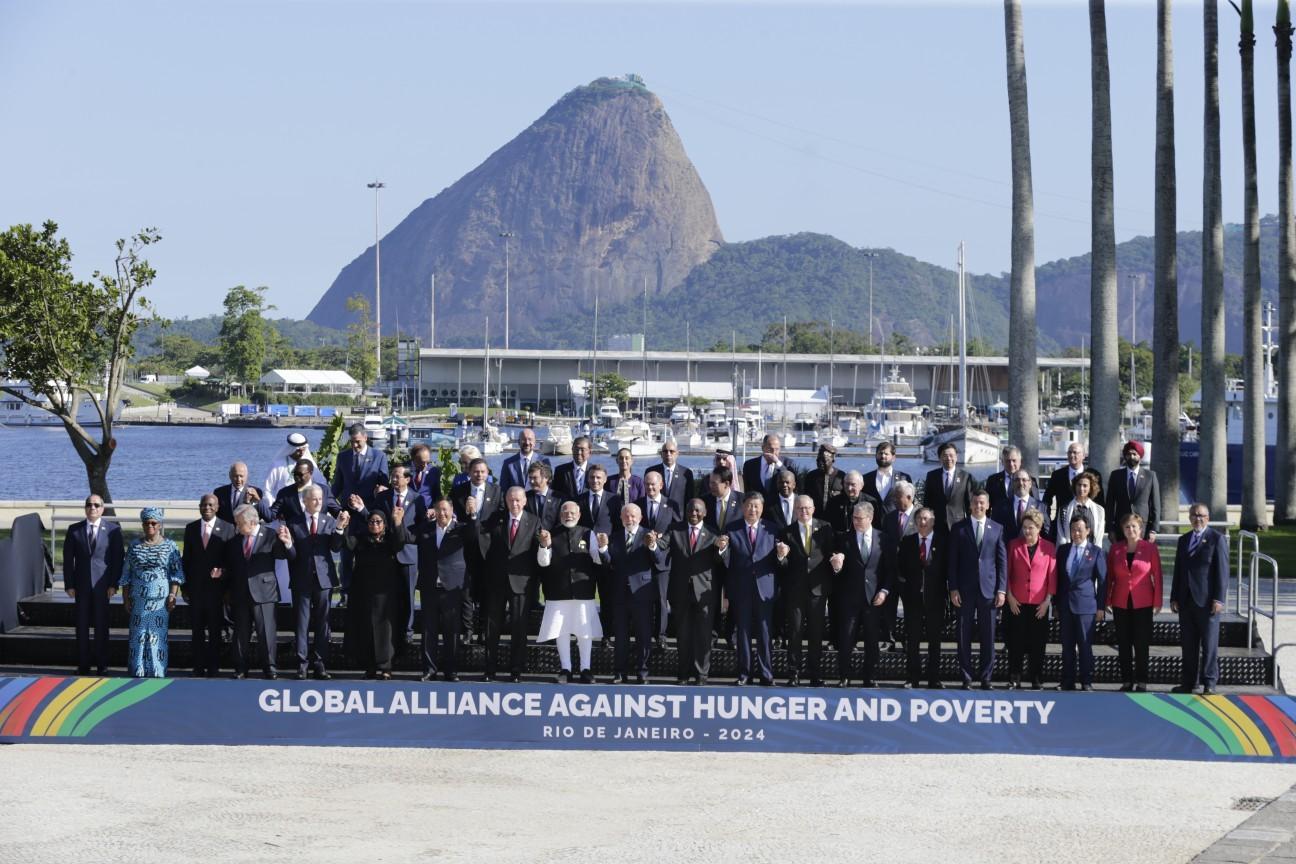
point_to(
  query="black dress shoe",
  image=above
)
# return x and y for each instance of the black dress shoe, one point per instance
(767, 682)
(1014, 683)
(702, 681)
(967, 685)
(639, 679)
(270, 674)
(1086, 687)
(564, 676)
(619, 678)
(452, 676)
(868, 682)
(935, 684)
(1127, 687)
(1066, 688)
(428, 676)
(794, 681)
(587, 677)
(843, 682)
(384, 676)
(515, 678)
(741, 681)
(986, 685)
(321, 674)
(489, 676)
(909, 685)
(1181, 689)
(1140, 688)
(301, 675)
(680, 682)
(1037, 685)
(1208, 690)
(240, 675)
(83, 670)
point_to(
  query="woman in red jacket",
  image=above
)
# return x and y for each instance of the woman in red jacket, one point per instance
(1032, 580)
(1134, 591)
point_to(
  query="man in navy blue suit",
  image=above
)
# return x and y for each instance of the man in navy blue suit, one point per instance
(515, 469)
(313, 577)
(1197, 595)
(751, 561)
(628, 553)
(760, 473)
(425, 478)
(232, 495)
(92, 563)
(1010, 510)
(860, 563)
(677, 480)
(443, 575)
(358, 470)
(978, 585)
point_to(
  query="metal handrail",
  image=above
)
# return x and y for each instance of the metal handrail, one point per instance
(1255, 550)
(1254, 608)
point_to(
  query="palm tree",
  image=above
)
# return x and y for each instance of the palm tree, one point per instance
(1023, 376)
(1165, 335)
(1105, 399)
(1212, 483)
(1285, 470)
(1253, 456)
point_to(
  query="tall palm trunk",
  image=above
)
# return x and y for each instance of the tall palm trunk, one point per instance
(1023, 375)
(1165, 335)
(1105, 400)
(1253, 438)
(1285, 470)
(1212, 478)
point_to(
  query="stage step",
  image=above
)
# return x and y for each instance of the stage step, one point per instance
(56, 609)
(44, 646)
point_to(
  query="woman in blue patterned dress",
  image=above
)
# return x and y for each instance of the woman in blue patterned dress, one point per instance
(150, 579)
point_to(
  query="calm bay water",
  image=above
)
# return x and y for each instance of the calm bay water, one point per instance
(175, 463)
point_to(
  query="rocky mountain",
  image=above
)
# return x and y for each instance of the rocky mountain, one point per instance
(598, 191)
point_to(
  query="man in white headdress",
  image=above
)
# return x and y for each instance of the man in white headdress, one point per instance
(281, 469)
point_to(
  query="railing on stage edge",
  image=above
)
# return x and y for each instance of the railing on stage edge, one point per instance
(1243, 537)
(1253, 607)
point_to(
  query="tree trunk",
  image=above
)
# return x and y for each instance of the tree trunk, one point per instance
(1104, 428)
(95, 456)
(1285, 469)
(1212, 467)
(1253, 437)
(1023, 375)
(1165, 335)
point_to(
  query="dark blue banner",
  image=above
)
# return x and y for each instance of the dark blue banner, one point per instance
(409, 714)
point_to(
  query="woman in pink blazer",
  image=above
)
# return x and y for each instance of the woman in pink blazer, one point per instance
(1134, 591)
(1032, 580)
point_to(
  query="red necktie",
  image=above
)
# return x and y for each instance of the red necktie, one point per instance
(693, 539)
(512, 532)
(904, 520)
(206, 534)
(313, 518)
(922, 551)
(751, 535)
(1021, 508)
(247, 547)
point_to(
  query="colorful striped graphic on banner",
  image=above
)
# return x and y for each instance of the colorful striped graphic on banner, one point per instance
(68, 707)
(1222, 724)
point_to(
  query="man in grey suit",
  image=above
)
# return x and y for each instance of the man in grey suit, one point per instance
(92, 563)
(314, 576)
(858, 563)
(254, 589)
(1197, 595)
(978, 585)
(1133, 489)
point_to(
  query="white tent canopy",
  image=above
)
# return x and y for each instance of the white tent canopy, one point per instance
(310, 380)
(197, 372)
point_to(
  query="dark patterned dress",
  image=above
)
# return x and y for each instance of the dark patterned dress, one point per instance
(146, 578)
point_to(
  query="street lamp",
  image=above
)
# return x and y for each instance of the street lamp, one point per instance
(507, 235)
(870, 256)
(377, 185)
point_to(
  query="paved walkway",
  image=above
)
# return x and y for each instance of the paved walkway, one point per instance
(1268, 837)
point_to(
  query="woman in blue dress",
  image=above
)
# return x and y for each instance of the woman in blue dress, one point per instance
(151, 578)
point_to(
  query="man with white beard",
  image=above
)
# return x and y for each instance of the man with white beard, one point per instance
(567, 558)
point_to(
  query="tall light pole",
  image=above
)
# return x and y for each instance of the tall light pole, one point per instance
(377, 185)
(507, 235)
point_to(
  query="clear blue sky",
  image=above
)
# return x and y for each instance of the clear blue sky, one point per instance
(246, 131)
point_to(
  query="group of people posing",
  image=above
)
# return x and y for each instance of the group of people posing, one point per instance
(754, 553)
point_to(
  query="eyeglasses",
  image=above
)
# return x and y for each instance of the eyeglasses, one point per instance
(152, 522)
(1198, 515)
(95, 504)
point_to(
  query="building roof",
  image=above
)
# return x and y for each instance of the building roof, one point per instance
(309, 378)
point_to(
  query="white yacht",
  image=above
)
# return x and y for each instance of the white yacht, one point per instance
(557, 440)
(609, 412)
(633, 435)
(894, 413)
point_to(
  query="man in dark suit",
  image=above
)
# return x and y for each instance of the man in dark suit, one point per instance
(254, 590)
(569, 478)
(93, 552)
(760, 473)
(287, 505)
(750, 564)
(677, 480)
(508, 544)
(204, 589)
(897, 524)
(516, 468)
(948, 491)
(659, 515)
(487, 500)
(1201, 573)
(541, 500)
(880, 482)
(840, 507)
(1000, 484)
(858, 563)
(443, 576)
(978, 585)
(313, 577)
(825, 481)
(923, 576)
(780, 502)
(237, 492)
(688, 553)
(803, 552)
(1060, 490)
(1009, 512)
(628, 554)
(1133, 489)
(723, 504)
(358, 470)
(425, 478)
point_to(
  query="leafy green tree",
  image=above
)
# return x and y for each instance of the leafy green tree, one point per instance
(610, 385)
(360, 341)
(243, 335)
(73, 338)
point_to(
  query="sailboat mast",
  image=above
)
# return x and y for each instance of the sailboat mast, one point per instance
(785, 419)
(485, 375)
(962, 315)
